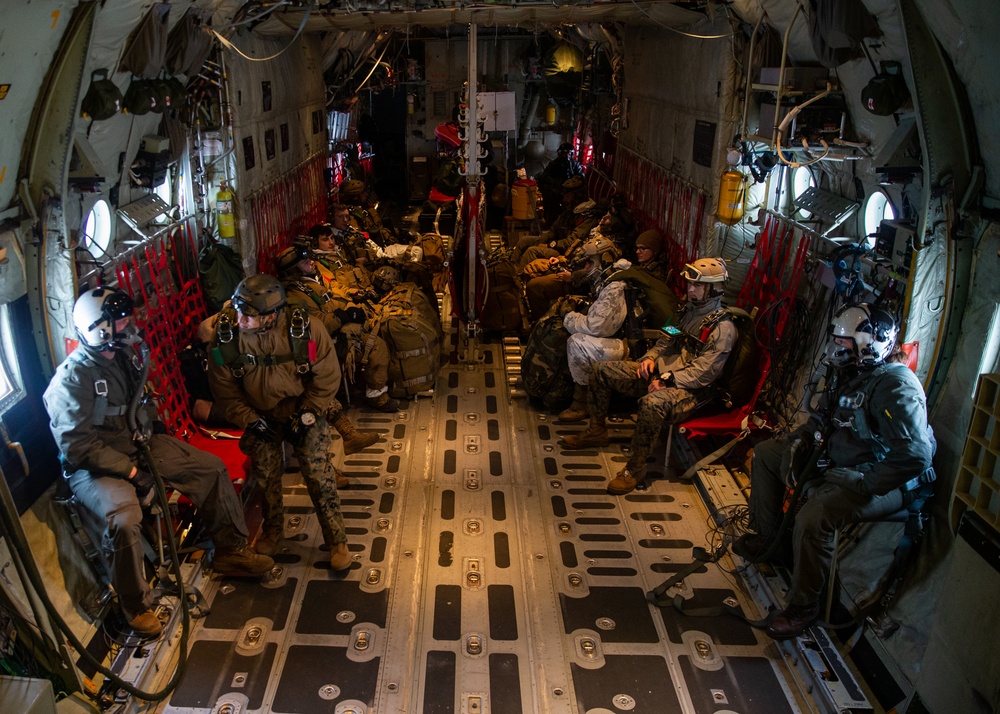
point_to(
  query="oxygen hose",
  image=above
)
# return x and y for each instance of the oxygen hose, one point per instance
(11, 526)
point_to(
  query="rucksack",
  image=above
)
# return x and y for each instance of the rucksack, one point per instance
(502, 303)
(885, 93)
(545, 372)
(409, 323)
(103, 99)
(141, 97)
(738, 380)
(221, 270)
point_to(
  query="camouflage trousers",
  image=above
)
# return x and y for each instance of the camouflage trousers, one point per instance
(584, 351)
(313, 455)
(666, 406)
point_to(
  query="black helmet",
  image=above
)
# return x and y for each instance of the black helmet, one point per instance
(259, 295)
(290, 257)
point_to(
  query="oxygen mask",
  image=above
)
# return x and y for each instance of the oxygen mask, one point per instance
(130, 336)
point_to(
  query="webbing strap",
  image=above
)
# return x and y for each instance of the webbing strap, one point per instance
(416, 380)
(714, 456)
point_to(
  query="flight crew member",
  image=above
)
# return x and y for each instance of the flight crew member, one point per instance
(875, 453)
(593, 336)
(340, 316)
(275, 373)
(88, 402)
(668, 379)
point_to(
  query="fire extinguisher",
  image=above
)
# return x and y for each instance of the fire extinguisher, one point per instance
(224, 211)
(732, 196)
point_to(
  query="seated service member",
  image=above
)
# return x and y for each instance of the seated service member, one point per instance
(668, 379)
(876, 452)
(593, 337)
(275, 373)
(340, 316)
(88, 401)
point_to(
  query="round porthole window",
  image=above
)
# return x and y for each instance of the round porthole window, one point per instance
(877, 208)
(97, 227)
(802, 179)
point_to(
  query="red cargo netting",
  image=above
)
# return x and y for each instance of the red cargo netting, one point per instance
(663, 201)
(286, 208)
(160, 277)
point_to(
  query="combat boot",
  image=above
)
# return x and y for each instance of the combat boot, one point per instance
(354, 440)
(340, 557)
(595, 435)
(625, 481)
(578, 410)
(342, 480)
(383, 403)
(240, 559)
(268, 542)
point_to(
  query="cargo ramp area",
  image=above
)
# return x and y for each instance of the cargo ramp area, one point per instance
(493, 574)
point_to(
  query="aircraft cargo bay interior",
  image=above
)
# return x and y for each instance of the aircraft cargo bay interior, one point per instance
(378, 356)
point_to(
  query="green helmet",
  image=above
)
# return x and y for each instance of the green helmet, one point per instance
(259, 295)
(386, 278)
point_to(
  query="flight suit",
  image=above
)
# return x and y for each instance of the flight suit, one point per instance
(87, 401)
(268, 383)
(694, 363)
(877, 430)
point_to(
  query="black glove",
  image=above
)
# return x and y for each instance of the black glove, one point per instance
(145, 487)
(159, 427)
(351, 314)
(302, 421)
(847, 478)
(264, 431)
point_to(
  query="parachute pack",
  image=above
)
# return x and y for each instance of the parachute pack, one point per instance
(741, 372)
(502, 304)
(226, 351)
(409, 324)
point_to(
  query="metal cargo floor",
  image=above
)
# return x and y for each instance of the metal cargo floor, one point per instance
(493, 575)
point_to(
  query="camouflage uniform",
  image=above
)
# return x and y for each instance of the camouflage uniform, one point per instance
(694, 363)
(592, 336)
(279, 393)
(544, 290)
(556, 241)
